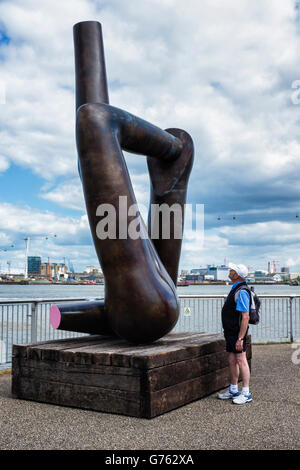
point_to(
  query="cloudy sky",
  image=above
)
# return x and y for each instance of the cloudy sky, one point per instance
(220, 69)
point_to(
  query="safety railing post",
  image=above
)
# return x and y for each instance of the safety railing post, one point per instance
(291, 335)
(34, 306)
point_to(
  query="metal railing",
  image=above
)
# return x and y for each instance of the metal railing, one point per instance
(279, 316)
(27, 321)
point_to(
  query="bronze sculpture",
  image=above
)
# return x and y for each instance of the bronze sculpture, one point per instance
(141, 303)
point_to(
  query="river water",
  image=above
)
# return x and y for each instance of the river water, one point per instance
(54, 291)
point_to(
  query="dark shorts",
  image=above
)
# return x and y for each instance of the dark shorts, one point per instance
(230, 344)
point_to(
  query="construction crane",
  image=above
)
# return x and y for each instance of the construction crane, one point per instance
(71, 267)
(49, 271)
(5, 250)
(274, 265)
(27, 241)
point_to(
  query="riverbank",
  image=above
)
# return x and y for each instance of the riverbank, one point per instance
(180, 284)
(47, 283)
(55, 291)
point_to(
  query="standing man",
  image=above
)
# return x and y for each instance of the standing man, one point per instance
(235, 319)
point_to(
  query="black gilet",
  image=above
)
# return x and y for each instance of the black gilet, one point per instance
(231, 318)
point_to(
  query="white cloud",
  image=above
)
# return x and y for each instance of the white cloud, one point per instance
(263, 233)
(20, 221)
(165, 71)
(67, 194)
(4, 164)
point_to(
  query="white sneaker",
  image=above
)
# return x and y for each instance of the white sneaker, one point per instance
(242, 399)
(228, 394)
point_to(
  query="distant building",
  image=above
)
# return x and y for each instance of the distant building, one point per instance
(44, 269)
(184, 272)
(56, 269)
(260, 275)
(194, 277)
(220, 273)
(34, 265)
(208, 277)
(293, 275)
(285, 270)
(213, 273)
(95, 275)
(272, 277)
(92, 270)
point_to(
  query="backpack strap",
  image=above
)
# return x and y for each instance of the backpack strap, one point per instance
(246, 288)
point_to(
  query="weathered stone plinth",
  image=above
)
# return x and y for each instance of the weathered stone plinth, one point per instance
(107, 374)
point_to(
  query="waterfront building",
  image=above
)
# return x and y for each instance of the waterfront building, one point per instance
(92, 270)
(184, 272)
(56, 269)
(220, 273)
(215, 273)
(44, 269)
(293, 275)
(277, 277)
(260, 275)
(273, 277)
(95, 275)
(34, 265)
(209, 277)
(193, 277)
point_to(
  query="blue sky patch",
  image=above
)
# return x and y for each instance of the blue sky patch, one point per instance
(19, 186)
(4, 39)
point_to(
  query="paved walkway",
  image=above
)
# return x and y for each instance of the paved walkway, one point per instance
(270, 422)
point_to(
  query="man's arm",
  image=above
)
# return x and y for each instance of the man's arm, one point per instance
(243, 306)
(243, 330)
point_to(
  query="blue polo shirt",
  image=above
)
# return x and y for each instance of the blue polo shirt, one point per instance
(243, 301)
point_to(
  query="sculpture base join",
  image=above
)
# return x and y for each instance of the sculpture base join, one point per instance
(107, 374)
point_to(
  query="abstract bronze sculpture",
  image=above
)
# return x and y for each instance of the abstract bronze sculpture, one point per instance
(141, 303)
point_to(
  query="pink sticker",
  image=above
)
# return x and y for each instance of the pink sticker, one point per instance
(55, 316)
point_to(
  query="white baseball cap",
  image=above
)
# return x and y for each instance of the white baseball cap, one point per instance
(240, 269)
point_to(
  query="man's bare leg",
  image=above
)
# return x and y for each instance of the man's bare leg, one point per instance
(233, 368)
(242, 364)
